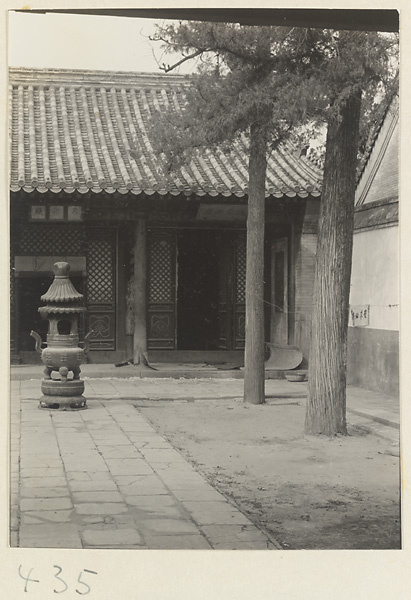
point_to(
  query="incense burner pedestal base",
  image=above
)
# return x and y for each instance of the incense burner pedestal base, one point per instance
(62, 395)
(63, 402)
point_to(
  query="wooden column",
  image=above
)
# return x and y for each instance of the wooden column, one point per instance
(140, 294)
(254, 383)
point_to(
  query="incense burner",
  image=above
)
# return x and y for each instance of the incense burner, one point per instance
(62, 353)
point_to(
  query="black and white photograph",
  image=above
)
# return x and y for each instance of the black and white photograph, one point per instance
(204, 280)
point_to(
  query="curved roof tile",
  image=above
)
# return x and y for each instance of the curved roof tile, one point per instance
(87, 130)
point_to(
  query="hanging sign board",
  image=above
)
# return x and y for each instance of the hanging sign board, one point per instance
(222, 212)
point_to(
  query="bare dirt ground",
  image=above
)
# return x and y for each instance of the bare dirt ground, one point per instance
(309, 493)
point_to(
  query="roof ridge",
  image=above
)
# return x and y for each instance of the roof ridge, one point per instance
(390, 112)
(38, 76)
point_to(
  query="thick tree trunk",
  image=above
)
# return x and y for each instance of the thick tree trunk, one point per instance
(140, 295)
(254, 323)
(326, 406)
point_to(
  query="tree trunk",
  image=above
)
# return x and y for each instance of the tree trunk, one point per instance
(326, 405)
(254, 312)
(140, 295)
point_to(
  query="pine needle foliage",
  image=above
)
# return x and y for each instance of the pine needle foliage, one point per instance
(288, 78)
(270, 84)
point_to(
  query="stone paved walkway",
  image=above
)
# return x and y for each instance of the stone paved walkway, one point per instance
(104, 478)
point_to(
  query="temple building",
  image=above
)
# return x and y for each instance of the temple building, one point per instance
(373, 333)
(159, 258)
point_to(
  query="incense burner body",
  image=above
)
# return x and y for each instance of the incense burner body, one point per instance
(62, 353)
(62, 347)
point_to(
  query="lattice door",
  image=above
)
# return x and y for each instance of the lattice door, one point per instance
(101, 289)
(12, 306)
(231, 306)
(225, 293)
(161, 290)
(240, 258)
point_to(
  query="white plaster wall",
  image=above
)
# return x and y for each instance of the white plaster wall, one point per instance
(375, 276)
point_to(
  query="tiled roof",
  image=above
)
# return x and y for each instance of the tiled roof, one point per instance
(379, 176)
(376, 214)
(88, 130)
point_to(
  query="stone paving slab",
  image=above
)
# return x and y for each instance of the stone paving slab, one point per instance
(49, 535)
(54, 516)
(104, 478)
(45, 492)
(112, 538)
(178, 542)
(45, 482)
(103, 508)
(45, 503)
(100, 485)
(97, 496)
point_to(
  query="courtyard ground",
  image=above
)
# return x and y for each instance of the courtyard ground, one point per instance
(184, 463)
(308, 492)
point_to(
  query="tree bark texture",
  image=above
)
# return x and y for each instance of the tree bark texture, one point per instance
(140, 294)
(254, 325)
(326, 405)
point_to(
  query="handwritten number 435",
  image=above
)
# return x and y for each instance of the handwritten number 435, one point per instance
(63, 585)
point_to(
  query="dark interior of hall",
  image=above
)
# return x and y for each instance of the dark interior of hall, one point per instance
(197, 291)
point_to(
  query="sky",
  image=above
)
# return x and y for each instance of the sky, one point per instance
(85, 42)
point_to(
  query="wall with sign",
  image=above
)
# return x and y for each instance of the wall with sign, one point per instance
(374, 279)
(373, 340)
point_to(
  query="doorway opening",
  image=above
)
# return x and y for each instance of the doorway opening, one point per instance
(197, 292)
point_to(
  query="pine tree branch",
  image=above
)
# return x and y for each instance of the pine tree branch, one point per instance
(169, 68)
(219, 46)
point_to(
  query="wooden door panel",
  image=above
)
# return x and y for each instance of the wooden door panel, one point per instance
(224, 294)
(101, 287)
(161, 291)
(232, 268)
(239, 306)
(279, 292)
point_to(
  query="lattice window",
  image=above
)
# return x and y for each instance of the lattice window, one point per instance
(160, 260)
(240, 268)
(67, 241)
(100, 271)
(36, 240)
(40, 240)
